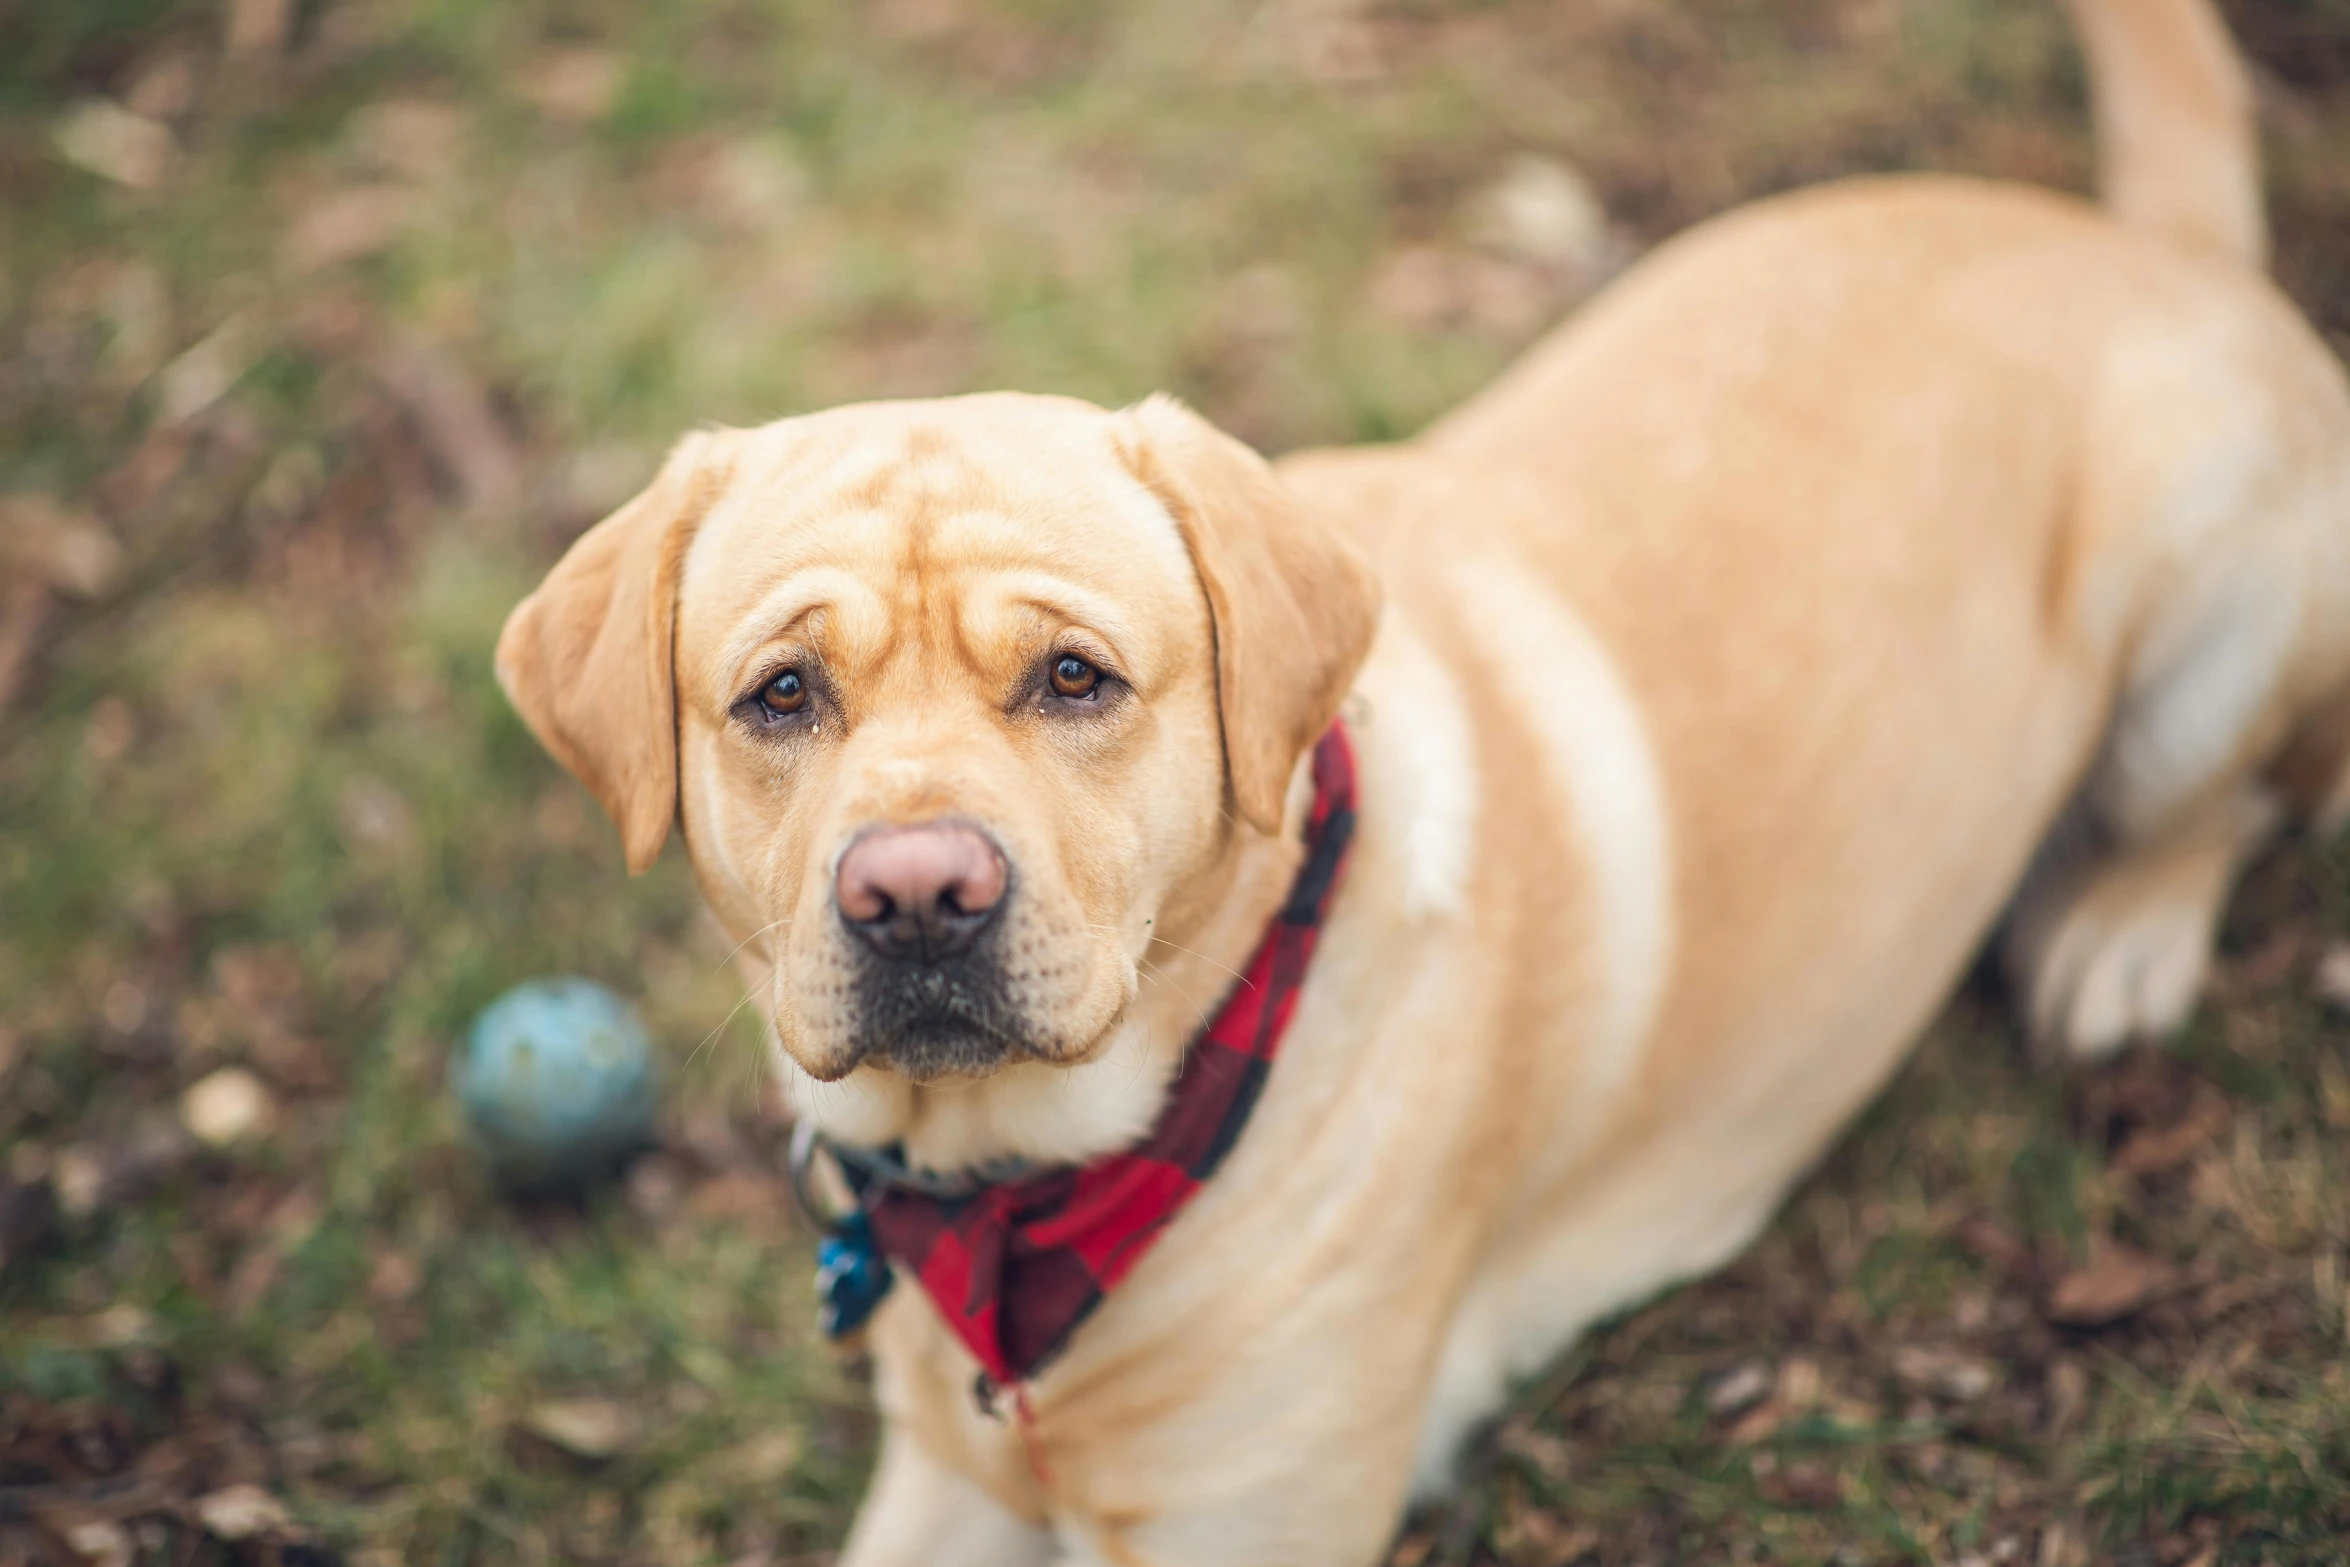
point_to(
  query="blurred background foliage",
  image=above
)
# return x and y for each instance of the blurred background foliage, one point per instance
(324, 324)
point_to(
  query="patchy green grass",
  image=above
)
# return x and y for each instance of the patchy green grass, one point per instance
(306, 371)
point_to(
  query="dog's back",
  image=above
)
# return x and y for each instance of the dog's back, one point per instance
(1922, 524)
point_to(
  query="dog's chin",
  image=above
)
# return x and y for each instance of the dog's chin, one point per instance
(934, 1049)
(931, 1047)
(924, 1049)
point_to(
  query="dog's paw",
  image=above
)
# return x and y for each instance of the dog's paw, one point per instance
(2112, 971)
(2107, 945)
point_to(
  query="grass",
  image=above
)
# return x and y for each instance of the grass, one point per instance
(423, 286)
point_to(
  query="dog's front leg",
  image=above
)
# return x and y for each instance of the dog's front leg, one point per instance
(919, 1513)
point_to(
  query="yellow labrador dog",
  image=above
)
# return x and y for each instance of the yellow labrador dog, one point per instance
(1873, 571)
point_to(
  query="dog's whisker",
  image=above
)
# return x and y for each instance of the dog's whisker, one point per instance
(694, 1054)
(1159, 972)
(747, 940)
(1177, 946)
(1174, 946)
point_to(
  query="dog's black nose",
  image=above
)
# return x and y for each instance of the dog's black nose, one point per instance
(922, 892)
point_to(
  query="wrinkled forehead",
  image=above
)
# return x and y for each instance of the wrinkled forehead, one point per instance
(973, 519)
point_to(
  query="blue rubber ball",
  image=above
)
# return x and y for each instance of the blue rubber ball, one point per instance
(556, 1081)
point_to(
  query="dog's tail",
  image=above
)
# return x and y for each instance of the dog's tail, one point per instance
(2180, 154)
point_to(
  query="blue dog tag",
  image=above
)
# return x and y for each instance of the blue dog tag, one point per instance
(852, 1276)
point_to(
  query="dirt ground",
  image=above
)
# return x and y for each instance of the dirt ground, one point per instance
(325, 323)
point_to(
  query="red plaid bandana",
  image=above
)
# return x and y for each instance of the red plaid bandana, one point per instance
(1015, 1266)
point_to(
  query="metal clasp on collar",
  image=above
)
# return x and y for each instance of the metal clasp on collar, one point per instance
(863, 1168)
(805, 1141)
(853, 1275)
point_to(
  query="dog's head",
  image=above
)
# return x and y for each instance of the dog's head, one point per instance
(953, 700)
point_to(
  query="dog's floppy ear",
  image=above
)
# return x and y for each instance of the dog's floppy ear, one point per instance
(586, 659)
(1294, 603)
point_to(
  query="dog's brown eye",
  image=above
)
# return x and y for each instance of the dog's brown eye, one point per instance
(1074, 677)
(786, 694)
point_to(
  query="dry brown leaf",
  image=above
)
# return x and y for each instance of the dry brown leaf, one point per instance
(1800, 1382)
(239, 1512)
(2151, 1150)
(415, 137)
(2116, 1281)
(1412, 1550)
(1806, 1485)
(1739, 1389)
(78, 1172)
(763, 1460)
(345, 225)
(2068, 1396)
(2268, 965)
(101, 1541)
(1533, 1536)
(122, 1324)
(575, 84)
(110, 141)
(394, 1276)
(261, 978)
(1995, 1243)
(1329, 42)
(206, 372)
(1943, 1371)
(591, 1428)
(24, 611)
(2059, 1547)
(2332, 979)
(1548, 1455)
(164, 88)
(46, 542)
(1542, 212)
(1759, 1423)
(90, 1175)
(255, 29)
